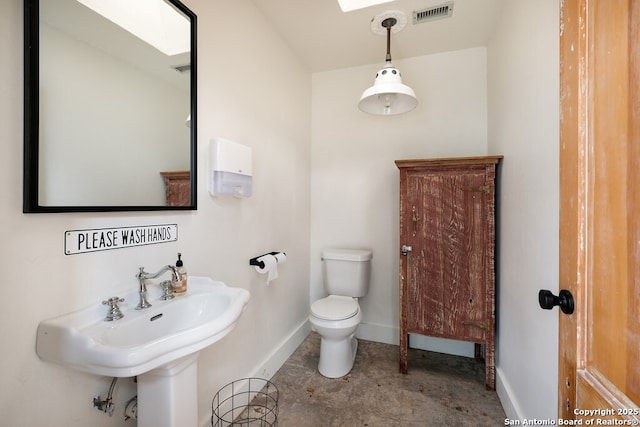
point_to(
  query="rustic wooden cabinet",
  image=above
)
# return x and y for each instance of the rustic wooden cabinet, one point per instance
(177, 188)
(447, 238)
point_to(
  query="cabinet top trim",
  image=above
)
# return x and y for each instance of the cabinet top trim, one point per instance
(478, 160)
(176, 174)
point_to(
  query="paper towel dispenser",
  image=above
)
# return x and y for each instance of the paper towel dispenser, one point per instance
(231, 169)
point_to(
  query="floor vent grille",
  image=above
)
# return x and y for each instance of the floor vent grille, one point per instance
(440, 11)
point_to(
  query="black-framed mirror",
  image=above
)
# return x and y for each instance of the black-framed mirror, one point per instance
(109, 116)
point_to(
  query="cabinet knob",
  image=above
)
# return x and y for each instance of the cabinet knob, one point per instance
(547, 300)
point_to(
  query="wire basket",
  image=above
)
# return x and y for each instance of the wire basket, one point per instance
(246, 402)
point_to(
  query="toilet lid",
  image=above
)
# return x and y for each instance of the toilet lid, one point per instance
(335, 307)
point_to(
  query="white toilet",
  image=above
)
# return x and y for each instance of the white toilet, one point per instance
(346, 274)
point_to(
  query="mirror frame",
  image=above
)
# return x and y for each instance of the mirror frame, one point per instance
(31, 121)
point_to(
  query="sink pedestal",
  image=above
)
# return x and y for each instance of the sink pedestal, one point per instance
(168, 395)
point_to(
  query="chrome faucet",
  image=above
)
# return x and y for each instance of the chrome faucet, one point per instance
(142, 276)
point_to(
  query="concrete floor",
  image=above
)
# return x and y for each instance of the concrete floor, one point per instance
(440, 390)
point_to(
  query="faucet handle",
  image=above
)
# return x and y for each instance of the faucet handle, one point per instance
(113, 300)
(167, 291)
(114, 312)
(141, 273)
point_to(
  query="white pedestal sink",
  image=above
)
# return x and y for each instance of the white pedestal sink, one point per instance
(159, 345)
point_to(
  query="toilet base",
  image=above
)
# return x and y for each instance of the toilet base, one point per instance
(337, 356)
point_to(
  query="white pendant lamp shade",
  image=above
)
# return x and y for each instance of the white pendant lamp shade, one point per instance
(388, 95)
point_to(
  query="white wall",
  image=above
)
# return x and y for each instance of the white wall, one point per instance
(354, 181)
(523, 125)
(236, 55)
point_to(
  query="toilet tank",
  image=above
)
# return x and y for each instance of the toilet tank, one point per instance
(346, 272)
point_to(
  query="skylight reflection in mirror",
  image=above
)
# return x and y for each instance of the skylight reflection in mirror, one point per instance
(153, 21)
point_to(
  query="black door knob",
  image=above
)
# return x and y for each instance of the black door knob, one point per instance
(564, 299)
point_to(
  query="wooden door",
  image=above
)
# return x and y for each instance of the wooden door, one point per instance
(599, 349)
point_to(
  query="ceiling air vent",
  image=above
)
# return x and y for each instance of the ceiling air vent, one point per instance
(182, 68)
(440, 11)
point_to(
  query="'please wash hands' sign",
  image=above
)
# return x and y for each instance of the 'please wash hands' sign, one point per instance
(80, 241)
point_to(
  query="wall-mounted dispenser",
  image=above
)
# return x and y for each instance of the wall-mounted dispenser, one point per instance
(230, 169)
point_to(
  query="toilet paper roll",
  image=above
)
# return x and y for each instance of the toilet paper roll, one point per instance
(270, 267)
(281, 257)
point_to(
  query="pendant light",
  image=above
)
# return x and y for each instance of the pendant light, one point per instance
(388, 95)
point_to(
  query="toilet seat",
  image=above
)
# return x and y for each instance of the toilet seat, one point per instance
(335, 307)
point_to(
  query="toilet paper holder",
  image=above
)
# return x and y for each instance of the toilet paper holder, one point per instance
(260, 264)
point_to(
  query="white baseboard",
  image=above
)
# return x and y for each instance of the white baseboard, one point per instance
(504, 391)
(270, 365)
(391, 335)
(267, 368)
(441, 345)
(378, 333)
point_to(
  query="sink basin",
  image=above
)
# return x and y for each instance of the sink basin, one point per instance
(142, 340)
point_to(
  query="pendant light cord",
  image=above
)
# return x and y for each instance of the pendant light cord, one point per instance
(388, 23)
(388, 57)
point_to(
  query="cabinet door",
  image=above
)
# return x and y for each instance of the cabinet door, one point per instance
(444, 220)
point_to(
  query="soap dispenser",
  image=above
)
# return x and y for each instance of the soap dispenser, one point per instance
(180, 287)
